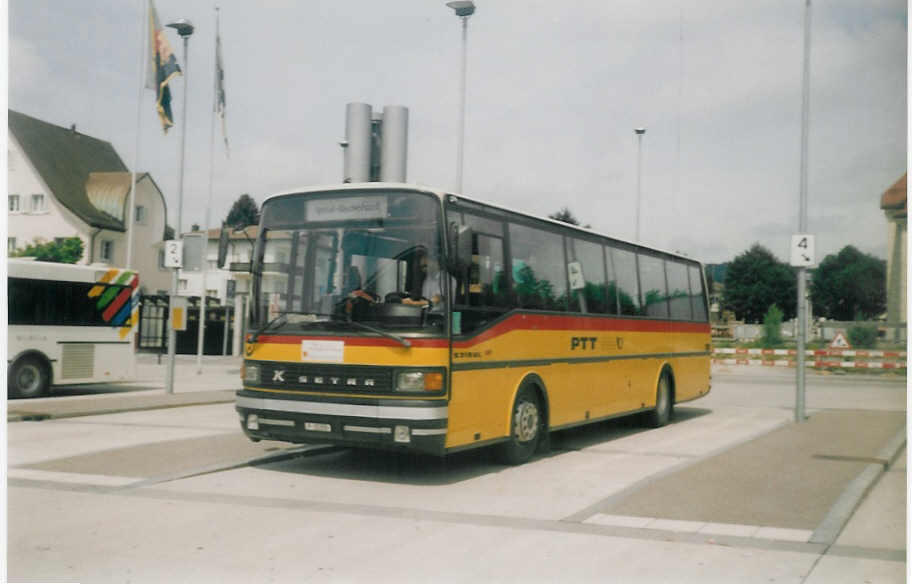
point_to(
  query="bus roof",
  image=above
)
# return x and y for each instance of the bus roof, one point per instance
(442, 193)
(35, 270)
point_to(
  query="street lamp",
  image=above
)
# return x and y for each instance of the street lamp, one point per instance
(184, 29)
(639, 134)
(463, 9)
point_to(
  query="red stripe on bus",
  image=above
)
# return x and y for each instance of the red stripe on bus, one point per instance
(112, 308)
(544, 322)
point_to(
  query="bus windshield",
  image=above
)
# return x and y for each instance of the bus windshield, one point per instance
(329, 261)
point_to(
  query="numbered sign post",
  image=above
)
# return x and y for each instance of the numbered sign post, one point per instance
(802, 251)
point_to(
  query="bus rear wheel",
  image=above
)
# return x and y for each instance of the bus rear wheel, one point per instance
(28, 378)
(661, 415)
(526, 428)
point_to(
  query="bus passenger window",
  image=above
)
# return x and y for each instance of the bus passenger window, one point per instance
(595, 294)
(539, 269)
(652, 279)
(678, 290)
(628, 290)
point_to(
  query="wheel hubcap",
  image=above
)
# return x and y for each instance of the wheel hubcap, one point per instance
(662, 404)
(28, 378)
(526, 421)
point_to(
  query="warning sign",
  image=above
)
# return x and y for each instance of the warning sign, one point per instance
(840, 341)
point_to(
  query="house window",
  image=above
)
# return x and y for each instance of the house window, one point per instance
(14, 203)
(38, 205)
(10, 244)
(161, 259)
(212, 292)
(182, 284)
(140, 214)
(107, 250)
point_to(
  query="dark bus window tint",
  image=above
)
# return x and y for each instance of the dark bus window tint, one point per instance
(652, 279)
(628, 291)
(593, 297)
(49, 302)
(539, 273)
(678, 290)
(697, 296)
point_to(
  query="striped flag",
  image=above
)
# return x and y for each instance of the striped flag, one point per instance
(220, 83)
(161, 68)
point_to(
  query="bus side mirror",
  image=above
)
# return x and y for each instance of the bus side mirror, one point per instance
(460, 245)
(223, 246)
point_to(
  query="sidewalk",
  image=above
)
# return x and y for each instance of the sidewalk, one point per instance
(218, 380)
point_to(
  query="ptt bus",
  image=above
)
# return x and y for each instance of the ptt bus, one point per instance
(539, 326)
(68, 324)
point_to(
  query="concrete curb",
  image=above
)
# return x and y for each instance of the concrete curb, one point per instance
(89, 407)
(842, 510)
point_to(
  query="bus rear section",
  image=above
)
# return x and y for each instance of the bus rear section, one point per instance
(69, 325)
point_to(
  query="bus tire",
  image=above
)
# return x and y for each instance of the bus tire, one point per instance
(526, 428)
(661, 415)
(28, 377)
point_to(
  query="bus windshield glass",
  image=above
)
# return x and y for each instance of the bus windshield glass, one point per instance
(331, 262)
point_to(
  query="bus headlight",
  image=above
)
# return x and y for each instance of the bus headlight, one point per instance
(419, 381)
(251, 373)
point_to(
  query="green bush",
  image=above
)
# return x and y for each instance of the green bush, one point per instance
(863, 336)
(772, 328)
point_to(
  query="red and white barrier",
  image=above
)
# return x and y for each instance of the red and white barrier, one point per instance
(815, 364)
(813, 352)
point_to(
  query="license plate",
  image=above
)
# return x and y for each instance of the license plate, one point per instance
(315, 427)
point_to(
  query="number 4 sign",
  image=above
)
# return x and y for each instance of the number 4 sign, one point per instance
(802, 251)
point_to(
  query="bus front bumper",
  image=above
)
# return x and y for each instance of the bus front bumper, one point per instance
(413, 425)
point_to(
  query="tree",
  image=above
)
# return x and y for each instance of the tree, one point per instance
(66, 250)
(755, 280)
(566, 216)
(244, 212)
(772, 327)
(849, 285)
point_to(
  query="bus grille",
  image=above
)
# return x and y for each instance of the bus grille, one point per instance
(78, 361)
(321, 377)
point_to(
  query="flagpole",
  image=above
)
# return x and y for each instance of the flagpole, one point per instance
(131, 208)
(205, 264)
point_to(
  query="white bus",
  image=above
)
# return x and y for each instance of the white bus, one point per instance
(69, 324)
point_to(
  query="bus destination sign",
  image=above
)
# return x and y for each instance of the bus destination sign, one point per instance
(349, 208)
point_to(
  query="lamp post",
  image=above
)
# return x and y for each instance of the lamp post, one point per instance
(463, 9)
(184, 29)
(639, 134)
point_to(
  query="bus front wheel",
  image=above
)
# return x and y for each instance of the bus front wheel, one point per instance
(661, 415)
(28, 378)
(526, 428)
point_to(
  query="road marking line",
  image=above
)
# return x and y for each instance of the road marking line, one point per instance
(70, 477)
(707, 528)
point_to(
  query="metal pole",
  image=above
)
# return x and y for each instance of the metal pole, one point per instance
(802, 217)
(205, 247)
(131, 209)
(462, 105)
(639, 133)
(172, 334)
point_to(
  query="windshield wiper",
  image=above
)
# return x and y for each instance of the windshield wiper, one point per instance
(404, 342)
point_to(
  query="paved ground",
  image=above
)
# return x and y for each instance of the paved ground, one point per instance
(733, 490)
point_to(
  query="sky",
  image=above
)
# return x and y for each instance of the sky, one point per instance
(554, 91)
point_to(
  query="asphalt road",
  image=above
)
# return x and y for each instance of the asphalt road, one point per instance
(179, 494)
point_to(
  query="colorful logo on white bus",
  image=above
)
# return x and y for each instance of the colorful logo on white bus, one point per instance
(117, 292)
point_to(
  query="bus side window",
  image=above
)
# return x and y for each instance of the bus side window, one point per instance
(595, 292)
(628, 290)
(697, 294)
(679, 303)
(652, 281)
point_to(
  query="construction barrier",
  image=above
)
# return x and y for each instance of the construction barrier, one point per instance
(859, 358)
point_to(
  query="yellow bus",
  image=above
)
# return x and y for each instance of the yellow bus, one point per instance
(400, 317)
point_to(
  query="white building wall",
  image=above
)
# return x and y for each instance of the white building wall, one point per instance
(147, 239)
(27, 225)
